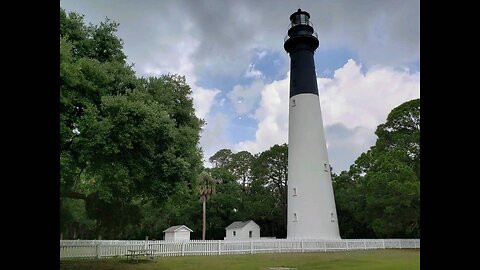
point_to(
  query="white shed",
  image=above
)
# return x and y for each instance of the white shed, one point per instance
(177, 233)
(242, 230)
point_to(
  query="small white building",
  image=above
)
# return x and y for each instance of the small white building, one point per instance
(177, 233)
(242, 230)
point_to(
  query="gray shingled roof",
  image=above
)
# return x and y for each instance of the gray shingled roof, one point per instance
(238, 224)
(177, 227)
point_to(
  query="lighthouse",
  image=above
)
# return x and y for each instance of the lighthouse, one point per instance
(311, 210)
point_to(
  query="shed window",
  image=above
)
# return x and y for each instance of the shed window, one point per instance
(331, 217)
(234, 233)
(250, 234)
(294, 193)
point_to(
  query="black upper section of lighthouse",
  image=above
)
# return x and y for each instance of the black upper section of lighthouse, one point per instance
(301, 43)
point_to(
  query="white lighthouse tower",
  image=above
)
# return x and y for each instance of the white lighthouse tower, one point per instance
(311, 204)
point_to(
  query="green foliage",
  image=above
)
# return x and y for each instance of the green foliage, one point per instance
(268, 197)
(222, 158)
(223, 207)
(95, 42)
(380, 195)
(181, 207)
(348, 203)
(241, 167)
(205, 186)
(250, 187)
(400, 135)
(74, 221)
(124, 141)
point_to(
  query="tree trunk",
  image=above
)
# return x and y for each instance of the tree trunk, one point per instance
(204, 219)
(74, 231)
(74, 195)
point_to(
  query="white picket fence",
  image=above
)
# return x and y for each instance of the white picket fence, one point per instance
(83, 249)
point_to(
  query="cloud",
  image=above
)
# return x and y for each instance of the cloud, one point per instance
(214, 136)
(253, 73)
(345, 145)
(261, 54)
(221, 37)
(272, 116)
(203, 100)
(353, 105)
(245, 98)
(377, 31)
(350, 94)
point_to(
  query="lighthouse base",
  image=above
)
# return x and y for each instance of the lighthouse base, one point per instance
(311, 210)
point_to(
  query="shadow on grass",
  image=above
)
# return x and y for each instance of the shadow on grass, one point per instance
(110, 263)
(134, 261)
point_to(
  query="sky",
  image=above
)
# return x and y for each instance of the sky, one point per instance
(231, 54)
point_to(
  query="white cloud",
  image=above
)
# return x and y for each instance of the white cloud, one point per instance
(203, 100)
(345, 145)
(214, 135)
(272, 115)
(355, 99)
(245, 98)
(261, 54)
(253, 73)
(353, 105)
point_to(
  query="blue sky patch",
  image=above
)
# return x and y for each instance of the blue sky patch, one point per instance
(327, 60)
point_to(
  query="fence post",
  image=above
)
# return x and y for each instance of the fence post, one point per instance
(383, 242)
(365, 243)
(219, 247)
(251, 247)
(400, 243)
(325, 245)
(183, 248)
(346, 241)
(301, 245)
(278, 246)
(414, 243)
(97, 250)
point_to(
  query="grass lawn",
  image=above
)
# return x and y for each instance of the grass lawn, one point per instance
(389, 259)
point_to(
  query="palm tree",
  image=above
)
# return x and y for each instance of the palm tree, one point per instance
(205, 189)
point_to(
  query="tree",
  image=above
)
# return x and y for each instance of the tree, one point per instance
(240, 165)
(226, 206)
(269, 185)
(400, 134)
(384, 182)
(124, 140)
(74, 222)
(222, 158)
(205, 189)
(271, 167)
(349, 202)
